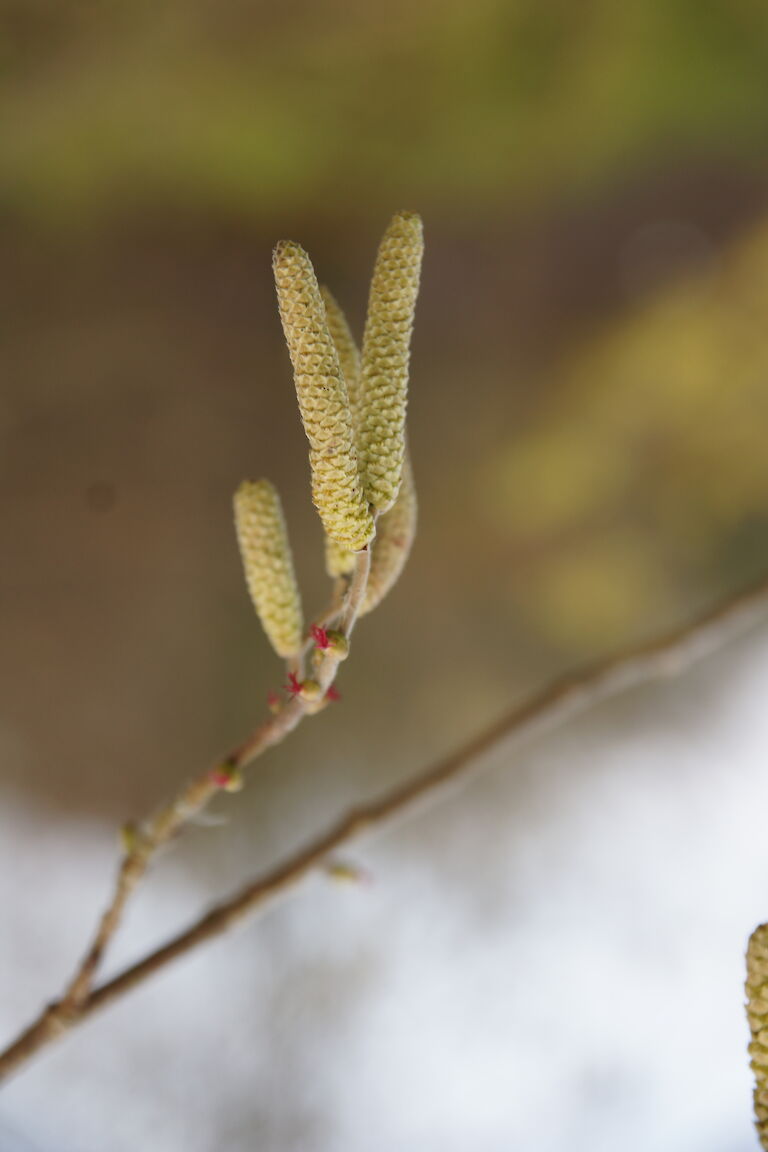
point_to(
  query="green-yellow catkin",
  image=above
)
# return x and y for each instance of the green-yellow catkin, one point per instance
(339, 561)
(394, 536)
(337, 490)
(347, 349)
(384, 364)
(268, 564)
(757, 1014)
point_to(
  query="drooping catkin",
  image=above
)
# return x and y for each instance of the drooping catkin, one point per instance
(395, 531)
(757, 1014)
(386, 352)
(268, 564)
(337, 490)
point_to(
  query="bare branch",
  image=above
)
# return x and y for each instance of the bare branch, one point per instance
(565, 697)
(196, 795)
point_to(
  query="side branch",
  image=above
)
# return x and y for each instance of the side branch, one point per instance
(194, 797)
(571, 694)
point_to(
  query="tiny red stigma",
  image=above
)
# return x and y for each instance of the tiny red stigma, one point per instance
(320, 636)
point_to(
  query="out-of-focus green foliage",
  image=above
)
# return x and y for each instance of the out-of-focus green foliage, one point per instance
(651, 458)
(245, 106)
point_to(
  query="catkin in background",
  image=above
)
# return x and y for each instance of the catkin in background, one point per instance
(268, 564)
(757, 1014)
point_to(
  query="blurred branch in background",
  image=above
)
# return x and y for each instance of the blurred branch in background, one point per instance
(664, 656)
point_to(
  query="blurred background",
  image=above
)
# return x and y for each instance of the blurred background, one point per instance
(587, 423)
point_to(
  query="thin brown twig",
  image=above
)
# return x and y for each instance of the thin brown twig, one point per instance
(197, 794)
(565, 697)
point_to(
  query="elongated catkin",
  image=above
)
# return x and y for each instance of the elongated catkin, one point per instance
(337, 490)
(268, 564)
(757, 1014)
(339, 561)
(385, 357)
(395, 531)
(347, 349)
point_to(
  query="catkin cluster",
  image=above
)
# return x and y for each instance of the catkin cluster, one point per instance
(353, 408)
(337, 490)
(757, 1014)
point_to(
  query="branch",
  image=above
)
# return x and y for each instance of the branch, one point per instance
(571, 694)
(197, 794)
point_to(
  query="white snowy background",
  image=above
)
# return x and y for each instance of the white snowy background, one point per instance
(550, 959)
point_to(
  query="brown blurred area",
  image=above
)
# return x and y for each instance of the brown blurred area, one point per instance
(589, 376)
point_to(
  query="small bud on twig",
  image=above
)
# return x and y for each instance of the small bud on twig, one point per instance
(129, 838)
(346, 872)
(338, 645)
(228, 776)
(331, 641)
(310, 690)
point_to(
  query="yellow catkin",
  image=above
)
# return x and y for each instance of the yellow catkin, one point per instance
(268, 564)
(394, 536)
(386, 351)
(757, 1014)
(349, 353)
(337, 490)
(339, 561)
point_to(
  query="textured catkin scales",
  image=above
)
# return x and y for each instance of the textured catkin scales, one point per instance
(337, 490)
(348, 352)
(268, 564)
(394, 536)
(386, 351)
(757, 1014)
(339, 561)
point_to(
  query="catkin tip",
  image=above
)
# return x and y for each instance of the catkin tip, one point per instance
(285, 248)
(411, 219)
